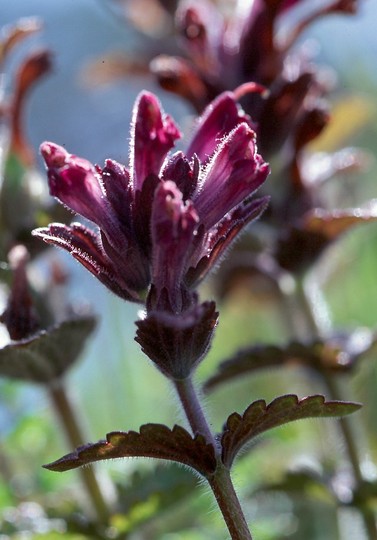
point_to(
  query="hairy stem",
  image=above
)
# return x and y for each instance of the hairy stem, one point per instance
(193, 409)
(66, 414)
(220, 482)
(316, 328)
(226, 497)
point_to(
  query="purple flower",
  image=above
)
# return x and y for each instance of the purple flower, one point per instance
(163, 222)
(224, 53)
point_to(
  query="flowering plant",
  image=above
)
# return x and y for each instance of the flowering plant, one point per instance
(153, 230)
(164, 223)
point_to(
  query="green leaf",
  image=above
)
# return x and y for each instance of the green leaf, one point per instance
(47, 355)
(154, 440)
(150, 493)
(338, 354)
(259, 417)
(303, 483)
(166, 485)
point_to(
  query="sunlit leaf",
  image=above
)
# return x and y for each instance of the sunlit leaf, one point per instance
(260, 417)
(47, 355)
(154, 440)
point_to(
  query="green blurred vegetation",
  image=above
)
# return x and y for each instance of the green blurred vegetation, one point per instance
(115, 387)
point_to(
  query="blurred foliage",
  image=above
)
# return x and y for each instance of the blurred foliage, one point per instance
(158, 502)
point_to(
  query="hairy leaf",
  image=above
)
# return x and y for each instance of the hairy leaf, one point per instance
(259, 417)
(338, 354)
(154, 440)
(47, 355)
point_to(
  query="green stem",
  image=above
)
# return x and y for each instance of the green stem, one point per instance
(66, 414)
(350, 446)
(226, 497)
(220, 482)
(5, 466)
(315, 327)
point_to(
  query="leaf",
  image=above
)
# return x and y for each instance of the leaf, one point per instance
(166, 485)
(259, 417)
(302, 483)
(333, 223)
(154, 440)
(152, 493)
(339, 354)
(47, 355)
(301, 244)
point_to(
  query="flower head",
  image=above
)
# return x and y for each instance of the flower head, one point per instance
(163, 221)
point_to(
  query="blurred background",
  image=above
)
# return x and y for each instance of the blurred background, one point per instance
(85, 104)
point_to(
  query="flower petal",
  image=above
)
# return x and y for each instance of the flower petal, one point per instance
(234, 172)
(102, 196)
(217, 120)
(152, 136)
(173, 227)
(76, 183)
(183, 173)
(220, 239)
(115, 180)
(85, 246)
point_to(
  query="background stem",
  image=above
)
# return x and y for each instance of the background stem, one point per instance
(316, 329)
(66, 414)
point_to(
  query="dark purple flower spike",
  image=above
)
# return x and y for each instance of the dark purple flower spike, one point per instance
(198, 194)
(165, 221)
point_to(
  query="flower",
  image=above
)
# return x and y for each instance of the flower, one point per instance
(228, 52)
(166, 219)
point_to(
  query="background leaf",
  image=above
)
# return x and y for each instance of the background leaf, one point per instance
(47, 355)
(335, 355)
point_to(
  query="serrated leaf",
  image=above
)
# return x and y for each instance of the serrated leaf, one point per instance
(338, 354)
(47, 355)
(154, 440)
(259, 417)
